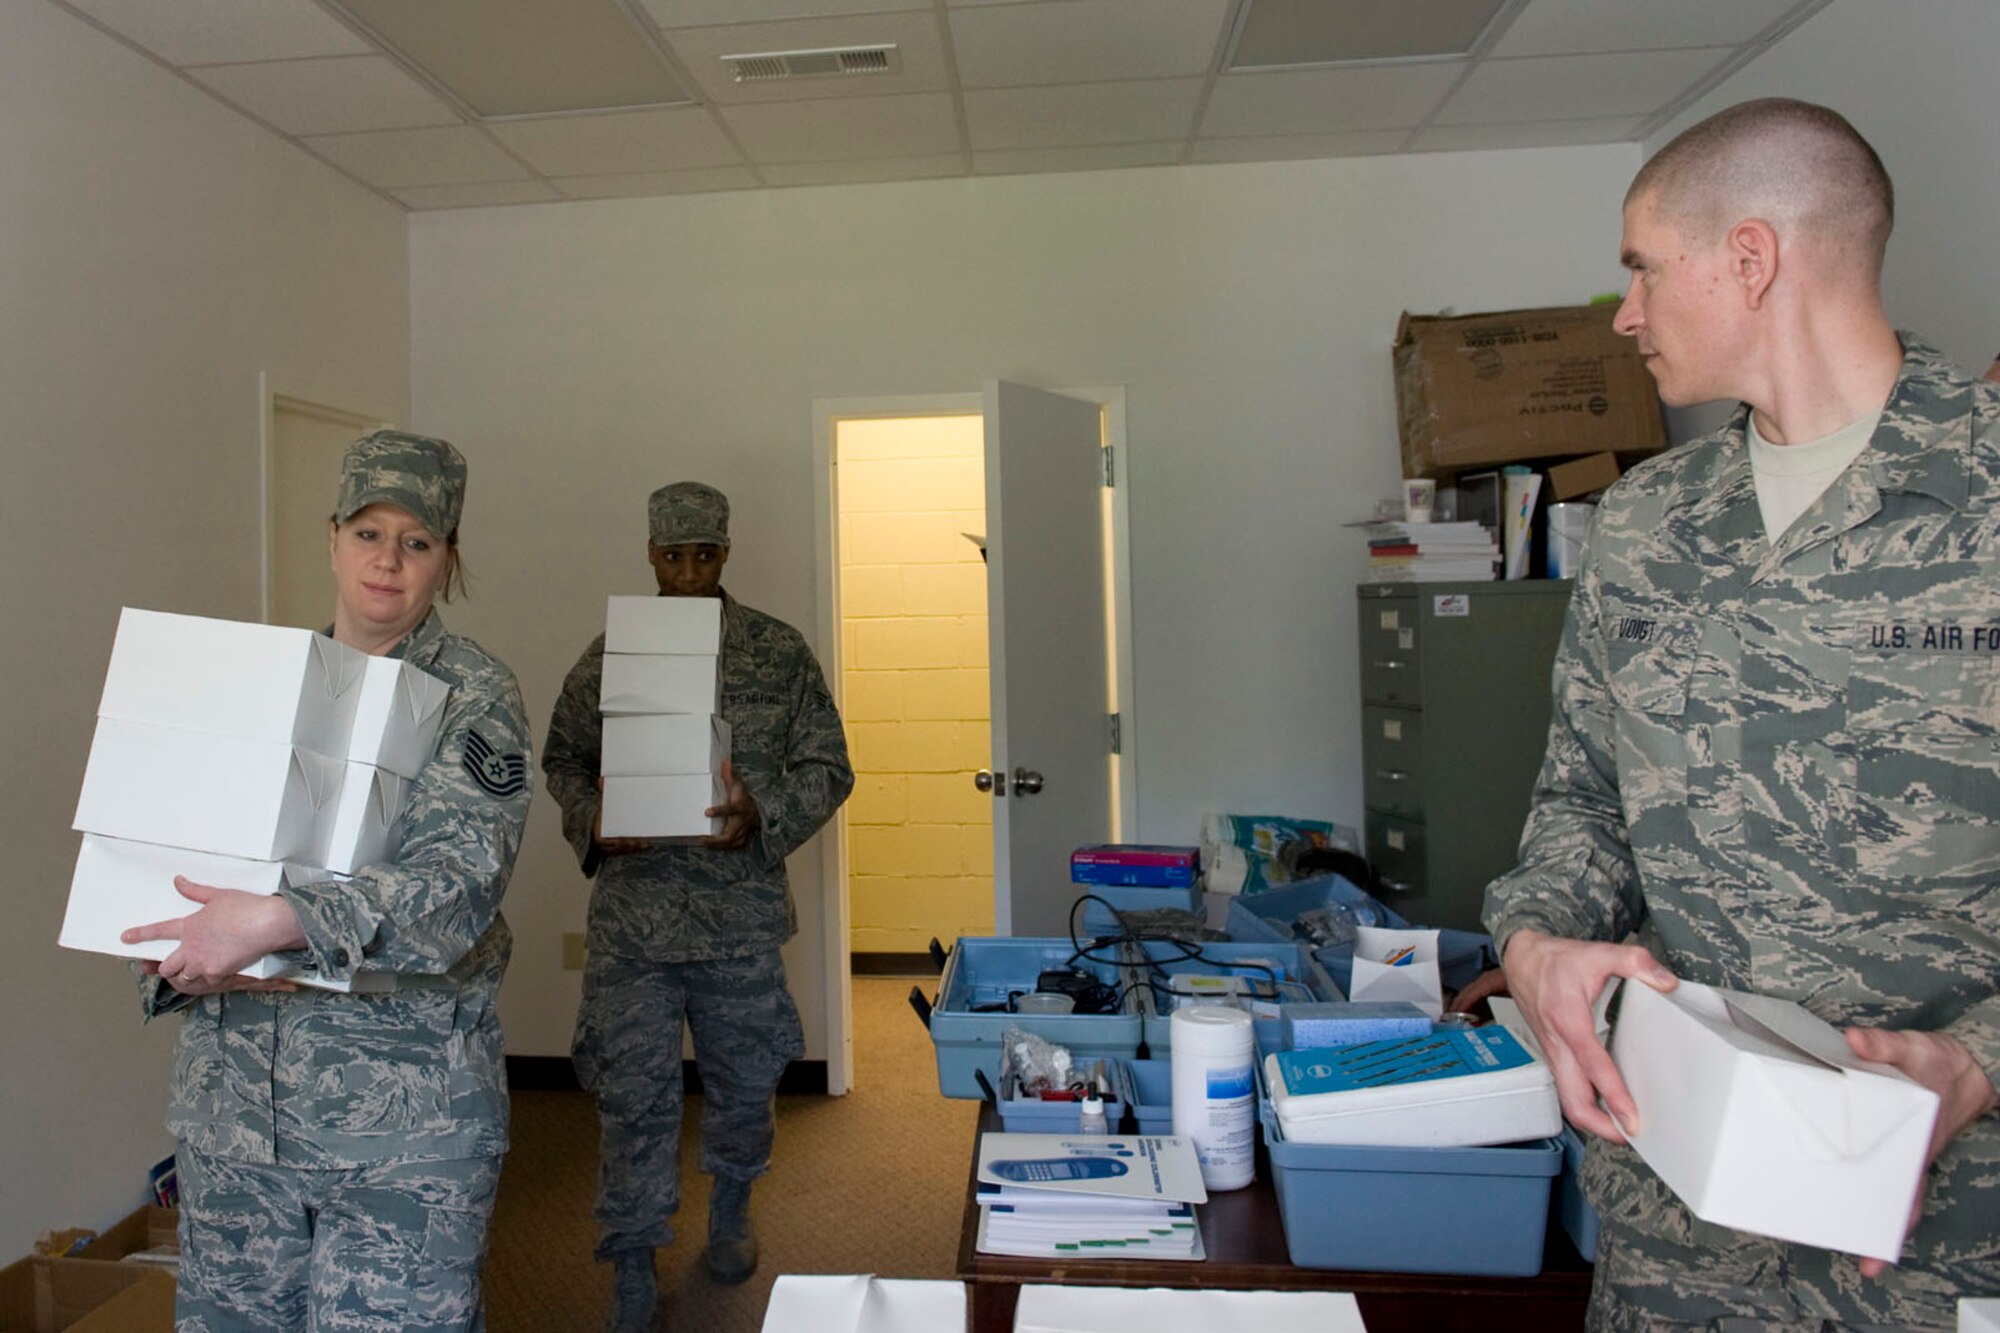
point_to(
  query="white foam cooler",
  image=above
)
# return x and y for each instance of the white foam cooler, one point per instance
(1453, 1089)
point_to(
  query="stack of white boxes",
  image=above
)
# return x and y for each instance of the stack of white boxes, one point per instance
(664, 738)
(240, 756)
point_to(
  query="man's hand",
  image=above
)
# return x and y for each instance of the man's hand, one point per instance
(738, 812)
(1944, 1066)
(1556, 983)
(1491, 982)
(612, 846)
(228, 930)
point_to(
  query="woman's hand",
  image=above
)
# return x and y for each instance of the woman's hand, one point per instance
(228, 930)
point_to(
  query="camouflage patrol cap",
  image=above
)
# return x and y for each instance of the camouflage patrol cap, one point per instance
(424, 477)
(688, 512)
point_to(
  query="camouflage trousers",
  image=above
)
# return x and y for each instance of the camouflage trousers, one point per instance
(1660, 1267)
(375, 1249)
(628, 1052)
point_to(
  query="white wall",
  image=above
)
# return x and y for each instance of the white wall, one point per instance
(156, 252)
(1917, 81)
(582, 354)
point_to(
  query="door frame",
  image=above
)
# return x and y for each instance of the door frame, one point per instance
(269, 401)
(827, 413)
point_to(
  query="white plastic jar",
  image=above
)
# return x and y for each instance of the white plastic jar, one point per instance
(1215, 1091)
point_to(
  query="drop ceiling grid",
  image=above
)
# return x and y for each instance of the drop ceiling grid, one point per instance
(986, 87)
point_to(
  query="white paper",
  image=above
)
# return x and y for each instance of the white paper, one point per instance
(1414, 982)
(663, 806)
(367, 824)
(1760, 1118)
(258, 682)
(396, 722)
(659, 683)
(259, 800)
(663, 625)
(1052, 1309)
(656, 744)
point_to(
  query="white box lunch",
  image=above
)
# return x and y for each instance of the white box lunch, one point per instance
(396, 721)
(1414, 980)
(659, 683)
(120, 884)
(678, 625)
(1760, 1118)
(261, 800)
(652, 744)
(662, 806)
(259, 682)
(863, 1304)
(367, 824)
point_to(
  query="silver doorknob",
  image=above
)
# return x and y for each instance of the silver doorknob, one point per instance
(986, 780)
(1027, 781)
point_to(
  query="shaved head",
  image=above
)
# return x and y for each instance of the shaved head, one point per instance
(1799, 167)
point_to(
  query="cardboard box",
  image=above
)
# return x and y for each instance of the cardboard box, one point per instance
(1758, 1116)
(40, 1294)
(659, 683)
(652, 744)
(147, 1306)
(678, 625)
(261, 800)
(150, 1227)
(396, 721)
(1519, 384)
(120, 884)
(367, 824)
(1593, 472)
(665, 806)
(259, 682)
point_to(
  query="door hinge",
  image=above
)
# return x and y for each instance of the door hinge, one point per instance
(1110, 474)
(1117, 734)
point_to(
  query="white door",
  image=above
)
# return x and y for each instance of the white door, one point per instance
(1051, 775)
(306, 446)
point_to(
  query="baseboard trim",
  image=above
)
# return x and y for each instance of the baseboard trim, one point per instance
(916, 965)
(556, 1073)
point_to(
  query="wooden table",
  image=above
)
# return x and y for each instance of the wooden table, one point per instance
(1246, 1251)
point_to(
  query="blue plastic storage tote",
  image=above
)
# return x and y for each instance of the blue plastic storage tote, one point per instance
(1301, 980)
(983, 971)
(1462, 954)
(1152, 1084)
(1099, 919)
(1579, 1219)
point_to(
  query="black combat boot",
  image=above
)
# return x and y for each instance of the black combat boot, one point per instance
(635, 1293)
(731, 1255)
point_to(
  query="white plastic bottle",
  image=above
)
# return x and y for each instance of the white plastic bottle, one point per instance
(1215, 1091)
(1090, 1116)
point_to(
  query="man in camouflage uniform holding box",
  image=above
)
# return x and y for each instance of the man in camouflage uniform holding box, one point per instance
(690, 933)
(1775, 753)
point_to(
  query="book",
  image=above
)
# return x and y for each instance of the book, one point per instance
(1079, 1196)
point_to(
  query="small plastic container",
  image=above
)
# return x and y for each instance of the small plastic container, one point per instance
(1152, 1085)
(1215, 1091)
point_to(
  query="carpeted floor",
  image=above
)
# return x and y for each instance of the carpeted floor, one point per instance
(872, 1182)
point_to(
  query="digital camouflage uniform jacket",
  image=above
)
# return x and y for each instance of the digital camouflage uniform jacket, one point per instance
(676, 902)
(320, 1079)
(1780, 763)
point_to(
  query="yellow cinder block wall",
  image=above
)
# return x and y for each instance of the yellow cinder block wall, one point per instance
(913, 661)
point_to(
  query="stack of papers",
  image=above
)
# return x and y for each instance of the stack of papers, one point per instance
(1114, 1196)
(1430, 552)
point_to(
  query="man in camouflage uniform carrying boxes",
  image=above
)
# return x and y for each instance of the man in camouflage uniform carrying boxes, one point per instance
(1775, 753)
(690, 933)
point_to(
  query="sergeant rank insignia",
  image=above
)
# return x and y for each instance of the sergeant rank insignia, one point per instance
(497, 774)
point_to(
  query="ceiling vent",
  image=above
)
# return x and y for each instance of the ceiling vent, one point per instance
(764, 66)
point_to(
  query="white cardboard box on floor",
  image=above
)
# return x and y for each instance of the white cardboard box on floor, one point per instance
(659, 683)
(663, 625)
(260, 800)
(367, 823)
(259, 682)
(661, 806)
(1760, 1118)
(863, 1304)
(1071, 1309)
(1978, 1314)
(653, 744)
(396, 721)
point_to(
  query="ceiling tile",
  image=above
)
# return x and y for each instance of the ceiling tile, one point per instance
(1539, 134)
(691, 13)
(1020, 161)
(706, 181)
(1085, 41)
(1140, 111)
(860, 173)
(335, 96)
(1320, 101)
(1578, 27)
(393, 159)
(1503, 92)
(477, 196)
(847, 129)
(1280, 33)
(205, 32)
(915, 36)
(1291, 147)
(619, 143)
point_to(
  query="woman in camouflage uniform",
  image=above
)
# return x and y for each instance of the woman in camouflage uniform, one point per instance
(339, 1152)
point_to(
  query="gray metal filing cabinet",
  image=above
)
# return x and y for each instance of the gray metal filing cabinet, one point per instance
(1455, 717)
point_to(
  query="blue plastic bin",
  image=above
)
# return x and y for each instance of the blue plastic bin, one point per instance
(1099, 920)
(1152, 1084)
(1032, 1115)
(984, 970)
(1462, 954)
(1579, 1219)
(1305, 979)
